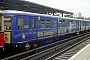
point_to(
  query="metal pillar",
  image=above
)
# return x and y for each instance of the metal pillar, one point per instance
(53, 13)
(62, 14)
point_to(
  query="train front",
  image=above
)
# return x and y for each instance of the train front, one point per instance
(1, 30)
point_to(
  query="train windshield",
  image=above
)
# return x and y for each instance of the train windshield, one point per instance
(7, 23)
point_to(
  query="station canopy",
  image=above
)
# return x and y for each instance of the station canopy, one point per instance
(22, 5)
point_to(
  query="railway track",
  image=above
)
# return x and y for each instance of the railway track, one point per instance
(43, 52)
(66, 55)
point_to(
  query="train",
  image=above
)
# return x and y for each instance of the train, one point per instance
(25, 30)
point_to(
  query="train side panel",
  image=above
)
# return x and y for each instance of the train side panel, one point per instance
(1, 29)
(1, 39)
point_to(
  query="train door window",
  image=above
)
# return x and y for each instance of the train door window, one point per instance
(47, 23)
(34, 24)
(60, 23)
(7, 23)
(20, 23)
(43, 23)
(31, 24)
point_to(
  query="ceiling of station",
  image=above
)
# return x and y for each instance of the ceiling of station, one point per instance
(22, 5)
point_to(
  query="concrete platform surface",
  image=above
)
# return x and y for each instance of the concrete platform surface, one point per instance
(83, 54)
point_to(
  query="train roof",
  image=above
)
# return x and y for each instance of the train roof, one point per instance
(27, 13)
(74, 18)
(33, 14)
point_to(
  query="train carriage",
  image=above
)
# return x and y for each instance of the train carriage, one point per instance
(24, 30)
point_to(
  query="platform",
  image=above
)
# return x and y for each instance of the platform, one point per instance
(83, 54)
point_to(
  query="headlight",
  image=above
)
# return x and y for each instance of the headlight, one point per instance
(5, 39)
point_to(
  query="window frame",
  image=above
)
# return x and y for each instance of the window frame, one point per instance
(49, 24)
(55, 24)
(44, 23)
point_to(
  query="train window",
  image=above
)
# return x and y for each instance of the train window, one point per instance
(63, 20)
(7, 23)
(20, 23)
(31, 24)
(60, 23)
(43, 23)
(47, 23)
(34, 24)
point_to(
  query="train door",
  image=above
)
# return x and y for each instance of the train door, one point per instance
(54, 26)
(70, 26)
(32, 28)
(22, 28)
(26, 27)
(82, 25)
(77, 25)
(87, 25)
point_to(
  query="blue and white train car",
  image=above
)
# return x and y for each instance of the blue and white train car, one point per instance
(25, 30)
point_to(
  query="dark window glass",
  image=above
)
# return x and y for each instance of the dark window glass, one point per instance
(31, 24)
(34, 24)
(20, 23)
